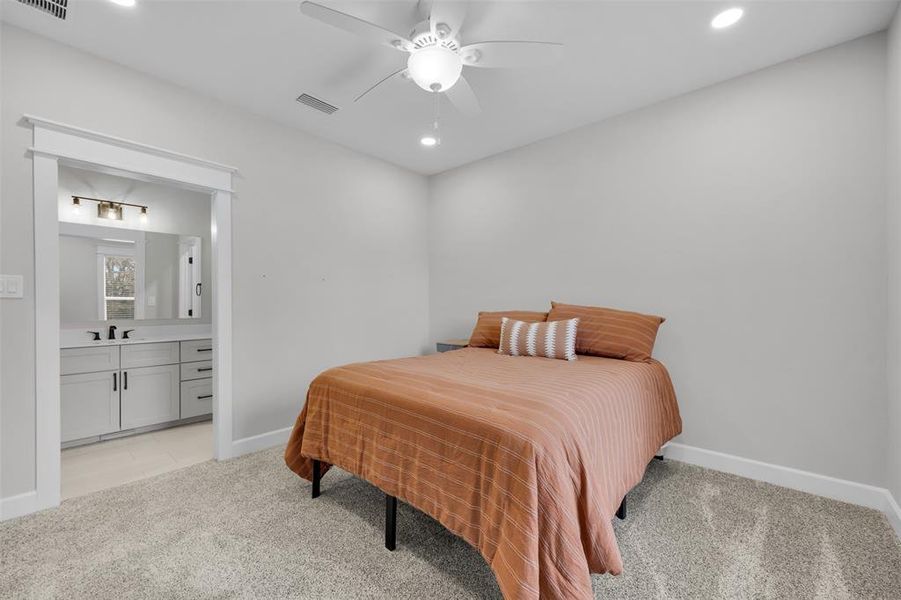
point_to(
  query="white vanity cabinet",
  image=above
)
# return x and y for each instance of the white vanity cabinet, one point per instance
(109, 390)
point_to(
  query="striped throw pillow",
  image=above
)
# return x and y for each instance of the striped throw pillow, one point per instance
(550, 339)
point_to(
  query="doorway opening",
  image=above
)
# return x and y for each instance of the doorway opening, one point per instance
(136, 396)
(58, 145)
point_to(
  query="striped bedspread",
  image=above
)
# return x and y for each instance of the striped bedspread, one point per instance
(525, 458)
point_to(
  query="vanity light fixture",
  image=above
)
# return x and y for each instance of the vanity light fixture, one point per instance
(108, 209)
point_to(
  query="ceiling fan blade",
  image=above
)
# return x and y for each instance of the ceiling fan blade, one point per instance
(463, 98)
(448, 12)
(498, 55)
(380, 82)
(356, 26)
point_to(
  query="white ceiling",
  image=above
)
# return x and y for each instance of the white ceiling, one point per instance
(261, 55)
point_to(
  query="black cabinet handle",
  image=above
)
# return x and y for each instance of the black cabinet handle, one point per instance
(204, 349)
(124, 380)
(198, 288)
(115, 388)
(205, 369)
(204, 397)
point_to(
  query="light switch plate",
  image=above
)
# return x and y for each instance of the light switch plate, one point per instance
(11, 286)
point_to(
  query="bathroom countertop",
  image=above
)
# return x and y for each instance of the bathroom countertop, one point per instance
(66, 341)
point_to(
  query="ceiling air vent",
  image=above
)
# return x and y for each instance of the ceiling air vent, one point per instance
(56, 8)
(316, 103)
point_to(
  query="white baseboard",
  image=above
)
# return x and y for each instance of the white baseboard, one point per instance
(261, 441)
(893, 512)
(822, 485)
(18, 505)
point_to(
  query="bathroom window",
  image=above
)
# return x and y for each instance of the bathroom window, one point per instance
(118, 287)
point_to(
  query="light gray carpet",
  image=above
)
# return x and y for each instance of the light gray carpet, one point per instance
(248, 529)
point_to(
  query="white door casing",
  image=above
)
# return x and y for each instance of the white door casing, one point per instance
(55, 144)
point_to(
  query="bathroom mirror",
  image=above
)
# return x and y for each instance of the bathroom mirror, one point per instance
(115, 274)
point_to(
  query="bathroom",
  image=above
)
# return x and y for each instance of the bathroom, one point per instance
(136, 347)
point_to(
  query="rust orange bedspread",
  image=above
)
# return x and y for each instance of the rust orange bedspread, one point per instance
(525, 458)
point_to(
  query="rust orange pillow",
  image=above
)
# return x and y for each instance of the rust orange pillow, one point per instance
(610, 332)
(487, 332)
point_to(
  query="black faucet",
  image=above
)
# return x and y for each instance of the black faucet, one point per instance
(125, 333)
(112, 332)
(96, 335)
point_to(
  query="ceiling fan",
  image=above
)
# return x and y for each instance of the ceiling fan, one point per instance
(436, 51)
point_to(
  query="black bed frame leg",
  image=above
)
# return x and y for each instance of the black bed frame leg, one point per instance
(390, 522)
(317, 476)
(621, 511)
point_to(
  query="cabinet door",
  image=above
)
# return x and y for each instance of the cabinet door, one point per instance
(196, 398)
(89, 404)
(149, 396)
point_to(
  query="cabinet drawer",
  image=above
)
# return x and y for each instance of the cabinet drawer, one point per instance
(149, 396)
(88, 360)
(149, 355)
(196, 398)
(194, 350)
(89, 404)
(196, 370)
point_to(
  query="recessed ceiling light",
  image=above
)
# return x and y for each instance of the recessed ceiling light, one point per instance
(428, 141)
(123, 2)
(727, 18)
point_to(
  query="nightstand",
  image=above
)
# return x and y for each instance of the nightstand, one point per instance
(448, 345)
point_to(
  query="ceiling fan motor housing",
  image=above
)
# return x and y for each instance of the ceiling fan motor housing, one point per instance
(422, 36)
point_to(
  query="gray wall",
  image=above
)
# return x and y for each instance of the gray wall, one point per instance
(170, 210)
(78, 276)
(893, 222)
(330, 251)
(749, 213)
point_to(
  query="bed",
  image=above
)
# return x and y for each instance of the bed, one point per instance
(527, 459)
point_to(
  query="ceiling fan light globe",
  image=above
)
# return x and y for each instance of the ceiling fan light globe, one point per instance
(435, 65)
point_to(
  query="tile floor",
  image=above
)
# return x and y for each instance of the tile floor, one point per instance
(87, 469)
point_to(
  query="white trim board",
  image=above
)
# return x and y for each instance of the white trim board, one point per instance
(261, 441)
(822, 485)
(18, 505)
(124, 143)
(55, 144)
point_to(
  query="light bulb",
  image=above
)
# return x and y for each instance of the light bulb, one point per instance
(727, 18)
(76, 206)
(435, 68)
(428, 140)
(143, 215)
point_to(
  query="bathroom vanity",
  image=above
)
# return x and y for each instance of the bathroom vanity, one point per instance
(120, 387)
